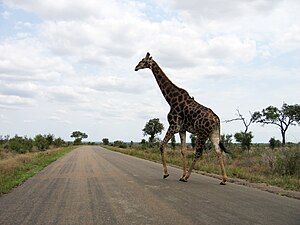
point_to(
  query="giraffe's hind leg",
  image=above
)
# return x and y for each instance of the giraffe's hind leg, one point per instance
(215, 139)
(199, 149)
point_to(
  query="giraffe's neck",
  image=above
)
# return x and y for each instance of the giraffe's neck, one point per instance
(169, 90)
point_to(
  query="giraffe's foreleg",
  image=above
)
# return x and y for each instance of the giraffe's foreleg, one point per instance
(166, 139)
(183, 153)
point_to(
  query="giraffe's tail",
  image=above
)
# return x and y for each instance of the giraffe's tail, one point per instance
(223, 148)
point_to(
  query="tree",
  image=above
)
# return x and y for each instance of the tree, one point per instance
(49, 138)
(173, 142)
(20, 144)
(120, 144)
(78, 137)
(274, 143)
(152, 128)
(143, 142)
(243, 119)
(226, 139)
(105, 141)
(288, 115)
(41, 142)
(193, 138)
(58, 142)
(245, 139)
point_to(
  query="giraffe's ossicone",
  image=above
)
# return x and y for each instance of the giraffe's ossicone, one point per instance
(186, 115)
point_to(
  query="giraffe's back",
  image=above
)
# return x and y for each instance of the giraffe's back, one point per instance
(199, 119)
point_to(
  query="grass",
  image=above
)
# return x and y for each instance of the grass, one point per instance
(260, 165)
(17, 168)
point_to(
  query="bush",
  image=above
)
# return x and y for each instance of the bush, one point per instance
(173, 142)
(20, 144)
(288, 163)
(105, 141)
(226, 139)
(41, 142)
(120, 144)
(49, 138)
(274, 143)
(58, 142)
(245, 139)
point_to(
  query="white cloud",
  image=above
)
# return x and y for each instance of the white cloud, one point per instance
(289, 40)
(231, 49)
(27, 59)
(59, 119)
(14, 102)
(113, 84)
(26, 89)
(216, 9)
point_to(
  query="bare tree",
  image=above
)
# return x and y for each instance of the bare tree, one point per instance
(245, 138)
(242, 118)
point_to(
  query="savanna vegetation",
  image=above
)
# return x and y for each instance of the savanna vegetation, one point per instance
(276, 163)
(22, 157)
(278, 166)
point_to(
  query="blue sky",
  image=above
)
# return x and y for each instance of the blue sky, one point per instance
(69, 65)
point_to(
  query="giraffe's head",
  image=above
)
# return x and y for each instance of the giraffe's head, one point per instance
(145, 63)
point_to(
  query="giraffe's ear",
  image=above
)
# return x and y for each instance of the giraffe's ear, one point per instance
(147, 55)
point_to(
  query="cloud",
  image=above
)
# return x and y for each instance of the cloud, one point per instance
(289, 40)
(25, 89)
(14, 102)
(76, 58)
(28, 60)
(67, 94)
(78, 10)
(231, 49)
(59, 119)
(113, 84)
(216, 9)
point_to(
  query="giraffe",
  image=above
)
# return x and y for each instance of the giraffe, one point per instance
(186, 115)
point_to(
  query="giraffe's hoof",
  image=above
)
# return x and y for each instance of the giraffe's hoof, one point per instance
(182, 179)
(165, 176)
(222, 183)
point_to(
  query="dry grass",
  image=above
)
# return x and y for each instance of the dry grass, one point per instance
(13, 161)
(16, 168)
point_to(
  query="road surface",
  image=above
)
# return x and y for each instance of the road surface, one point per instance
(91, 185)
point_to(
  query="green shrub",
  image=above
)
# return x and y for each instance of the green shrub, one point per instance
(245, 139)
(58, 142)
(288, 163)
(105, 141)
(120, 144)
(41, 142)
(20, 144)
(273, 143)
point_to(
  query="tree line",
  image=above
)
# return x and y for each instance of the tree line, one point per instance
(40, 142)
(286, 116)
(21, 144)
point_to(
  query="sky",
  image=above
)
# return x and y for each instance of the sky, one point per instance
(69, 65)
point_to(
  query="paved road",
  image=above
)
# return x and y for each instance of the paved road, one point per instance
(92, 185)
